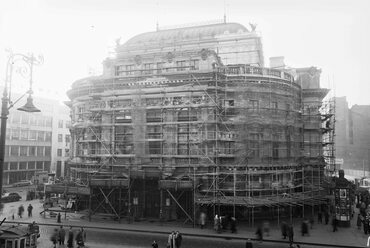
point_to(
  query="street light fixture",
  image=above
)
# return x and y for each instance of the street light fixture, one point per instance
(8, 104)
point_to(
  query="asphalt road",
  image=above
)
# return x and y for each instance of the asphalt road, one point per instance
(113, 239)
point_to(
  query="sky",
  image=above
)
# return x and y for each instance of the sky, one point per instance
(75, 36)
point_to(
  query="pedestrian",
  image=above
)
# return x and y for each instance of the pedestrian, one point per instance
(266, 228)
(284, 229)
(20, 211)
(305, 224)
(326, 217)
(29, 209)
(171, 240)
(259, 233)
(319, 217)
(59, 218)
(290, 235)
(154, 244)
(233, 225)
(70, 238)
(62, 235)
(334, 223)
(178, 239)
(359, 221)
(202, 220)
(54, 238)
(311, 222)
(79, 239)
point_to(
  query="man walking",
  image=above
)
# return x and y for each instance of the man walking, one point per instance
(20, 211)
(70, 238)
(62, 235)
(29, 209)
(290, 234)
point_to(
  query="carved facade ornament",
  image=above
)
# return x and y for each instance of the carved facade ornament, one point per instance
(204, 54)
(170, 57)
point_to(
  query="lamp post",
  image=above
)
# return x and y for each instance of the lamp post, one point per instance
(8, 104)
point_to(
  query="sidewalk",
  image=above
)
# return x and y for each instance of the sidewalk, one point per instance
(320, 233)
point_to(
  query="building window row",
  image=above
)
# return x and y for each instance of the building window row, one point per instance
(25, 134)
(150, 68)
(32, 120)
(28, 151)
(30, 165)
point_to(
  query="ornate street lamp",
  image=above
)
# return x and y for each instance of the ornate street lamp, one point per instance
(8, 104)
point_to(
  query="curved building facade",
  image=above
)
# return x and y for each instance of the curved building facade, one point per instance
(189, 119)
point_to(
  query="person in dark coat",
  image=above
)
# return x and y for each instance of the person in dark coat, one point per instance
(233, 225)
(334, 223)
(291, 234)
(59, 217)
(154, 244)
(259, 233)
(359, 221)
(54, 238)
(284, 229)
(70, 238)
(20, 211)
(178, 239)
(319, 217)
(326, 217)
(29, 209)
(62, 235)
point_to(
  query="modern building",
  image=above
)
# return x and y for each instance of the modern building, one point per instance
(353, 135)
(189, 119)
(32, 141)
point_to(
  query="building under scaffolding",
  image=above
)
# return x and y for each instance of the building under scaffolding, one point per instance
(188, 119)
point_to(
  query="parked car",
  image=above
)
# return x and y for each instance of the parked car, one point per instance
(22, 183)
(10, 197)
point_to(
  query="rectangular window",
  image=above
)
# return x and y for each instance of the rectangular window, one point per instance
(40, 121)
(32, 135)
(16, 118)
(40, 151)
(13, 165)
(24, 134)
(47, 151)
(68, 124)
(39, 165)
(15, 134)
(23, 150)
(194, 64)
(160, 67)
(130, 69)
(119, 70)
(33, 121)
(67, 138)
(32, 151)
(181, 65)
(49, 121)
(148, 68)
(6, 166)
(60, 137)
(23, 165)
(59, 169)
(47, 136)
(47, 166)
(25, 119)
(31, 165)
(59, 152)
(40, 135)
(14, 150)
(255, 106)
(60, 124)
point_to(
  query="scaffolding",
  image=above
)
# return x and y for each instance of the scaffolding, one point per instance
(230, 140)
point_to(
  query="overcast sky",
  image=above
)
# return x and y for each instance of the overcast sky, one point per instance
(75, 36)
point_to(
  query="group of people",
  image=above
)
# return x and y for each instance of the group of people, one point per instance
(174, 240)
(59, 237)
(21, 211)
(221, 222)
